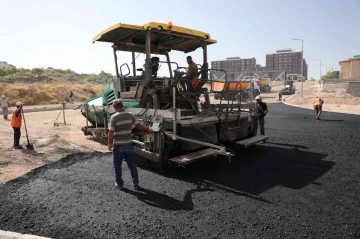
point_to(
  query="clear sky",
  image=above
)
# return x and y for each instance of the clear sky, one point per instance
(58, 33)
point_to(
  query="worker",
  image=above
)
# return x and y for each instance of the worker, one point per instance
(318, 103)
(4, 101)
(71, 96)
(238, 98)
(16, 124)
(263, 110)
(280, 95)
(120, 142)
(190, 74)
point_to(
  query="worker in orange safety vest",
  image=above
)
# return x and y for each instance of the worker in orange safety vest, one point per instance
(16, 125)
(318, 103)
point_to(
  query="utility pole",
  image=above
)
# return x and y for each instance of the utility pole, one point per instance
(302, 62)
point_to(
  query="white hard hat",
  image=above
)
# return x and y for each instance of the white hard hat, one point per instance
(258, 97)
(18, 103)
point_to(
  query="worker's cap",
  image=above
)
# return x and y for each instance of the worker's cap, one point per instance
(118, 102)
(18, 103)
(3, 96)
(258, 97)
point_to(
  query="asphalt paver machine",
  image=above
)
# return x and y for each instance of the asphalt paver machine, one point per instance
(186, 126)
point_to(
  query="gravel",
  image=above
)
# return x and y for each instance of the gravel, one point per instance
(303, 183)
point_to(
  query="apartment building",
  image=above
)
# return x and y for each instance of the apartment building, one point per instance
(305, 69)
(350, 68)
(286, 60)
(235, 64)
(5, 66)
(260, 67)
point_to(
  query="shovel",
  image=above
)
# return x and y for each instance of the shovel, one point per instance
(308, 114)
(28, 146)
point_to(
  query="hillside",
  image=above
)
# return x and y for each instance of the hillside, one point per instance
(50, 75)
(50, 86)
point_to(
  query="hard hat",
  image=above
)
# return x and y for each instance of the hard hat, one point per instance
(3, 96)
(18, 103)
(258, 97)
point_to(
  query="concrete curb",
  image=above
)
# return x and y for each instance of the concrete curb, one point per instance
(45, 108)
(15, 235)
(293, 105)
(310, 108)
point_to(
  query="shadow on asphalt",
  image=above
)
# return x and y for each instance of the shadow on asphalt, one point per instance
(285, 130)
(289, 145)
(259, 169)
(331, 120)
(156, 199)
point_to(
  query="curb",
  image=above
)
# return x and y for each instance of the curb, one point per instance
(15, 235)
(310, 108)
(39, 109)
(293, 105)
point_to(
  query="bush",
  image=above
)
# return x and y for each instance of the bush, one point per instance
(40, 86)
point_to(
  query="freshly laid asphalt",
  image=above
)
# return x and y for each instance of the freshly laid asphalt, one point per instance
(303, 183)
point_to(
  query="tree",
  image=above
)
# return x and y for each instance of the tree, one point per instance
(331, 75)
(11, 70)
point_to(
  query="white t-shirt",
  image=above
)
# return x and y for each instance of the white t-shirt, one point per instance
(4, 102)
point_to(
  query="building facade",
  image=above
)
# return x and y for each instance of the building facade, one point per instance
(350, 69)
(5, 66)
(286, 60)
(235, 64)
(305, 69)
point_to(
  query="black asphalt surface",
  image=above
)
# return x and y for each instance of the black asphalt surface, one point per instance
(303, 183)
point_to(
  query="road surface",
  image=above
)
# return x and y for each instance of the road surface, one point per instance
(303, 183)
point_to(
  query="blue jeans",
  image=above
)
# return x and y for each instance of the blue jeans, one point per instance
(125, 151)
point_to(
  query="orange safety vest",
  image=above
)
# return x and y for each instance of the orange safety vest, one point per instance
(16, 119)
(195, 82)
(318, 101)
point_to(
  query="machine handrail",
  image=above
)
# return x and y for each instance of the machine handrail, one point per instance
(127, 67)
(202, 69)
(225, 82)
(170, 62)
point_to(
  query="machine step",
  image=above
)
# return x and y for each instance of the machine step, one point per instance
(192, 157)
(253, 140)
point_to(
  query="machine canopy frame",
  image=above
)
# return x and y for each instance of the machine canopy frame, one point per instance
(164, 38)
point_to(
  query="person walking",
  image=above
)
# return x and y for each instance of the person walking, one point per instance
(318, 103)
(263, 110)
(121, 144)
(16, 124)
(4, 106)
(71, 97)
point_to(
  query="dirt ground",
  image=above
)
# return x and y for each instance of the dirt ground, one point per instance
(334, 101)
(53, 143)
(50, 143)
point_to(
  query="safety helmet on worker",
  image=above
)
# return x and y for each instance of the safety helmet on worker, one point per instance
(18, 103)
(258, 97)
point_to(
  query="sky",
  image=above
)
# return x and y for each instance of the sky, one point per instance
(58, 33)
